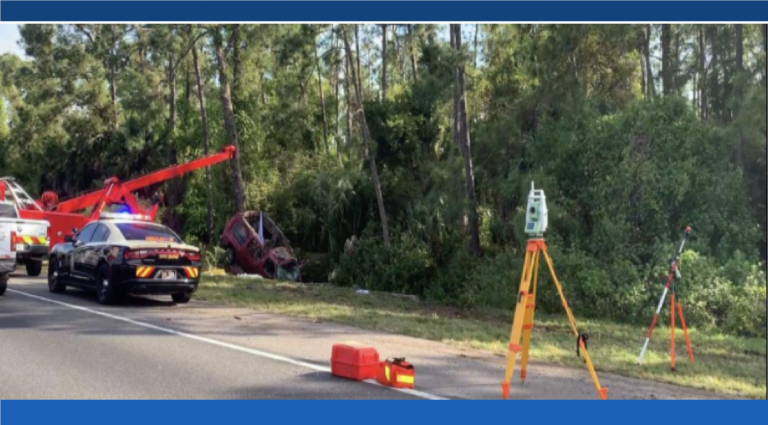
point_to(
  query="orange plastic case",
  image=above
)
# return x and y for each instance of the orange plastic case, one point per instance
(353, 360)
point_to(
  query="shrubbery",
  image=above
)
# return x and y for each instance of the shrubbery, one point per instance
(621, 188)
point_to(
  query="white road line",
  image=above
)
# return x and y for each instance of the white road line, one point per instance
(218, 343)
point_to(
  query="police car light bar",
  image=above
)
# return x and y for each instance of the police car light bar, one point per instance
(125, 216)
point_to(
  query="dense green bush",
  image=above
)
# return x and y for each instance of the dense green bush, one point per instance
(620, 188)
(403, 267)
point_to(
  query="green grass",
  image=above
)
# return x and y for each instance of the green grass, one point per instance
(724, 363)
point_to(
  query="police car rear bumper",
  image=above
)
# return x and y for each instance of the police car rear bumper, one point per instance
(159, 287)
(124, 278)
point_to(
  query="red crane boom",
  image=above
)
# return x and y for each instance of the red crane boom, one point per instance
(63, 216)
(117, 192)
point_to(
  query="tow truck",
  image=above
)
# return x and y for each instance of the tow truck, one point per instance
(68, 215)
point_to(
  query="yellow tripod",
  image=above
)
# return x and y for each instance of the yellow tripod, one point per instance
(523, 322)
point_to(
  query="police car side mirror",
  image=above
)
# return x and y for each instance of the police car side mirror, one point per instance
(68, 239)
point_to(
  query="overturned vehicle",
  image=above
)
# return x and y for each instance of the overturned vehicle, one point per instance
(255, 245)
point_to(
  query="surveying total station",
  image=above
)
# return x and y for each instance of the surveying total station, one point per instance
(536, 216)
(536, 221)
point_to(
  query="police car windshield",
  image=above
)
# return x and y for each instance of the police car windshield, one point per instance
(147, 232)
(7, 211)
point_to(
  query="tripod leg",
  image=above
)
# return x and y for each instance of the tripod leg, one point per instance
(672, 331)
(602, 392)
(517, 324)
(528, 323)
(685, 331)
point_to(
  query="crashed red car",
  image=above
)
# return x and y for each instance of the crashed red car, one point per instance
(255, 245)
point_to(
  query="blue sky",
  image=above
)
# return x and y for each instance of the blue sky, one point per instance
(9, 35)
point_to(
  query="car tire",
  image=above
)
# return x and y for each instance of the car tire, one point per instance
(34, 266)
(105, 292)
(3, 285)
(54, 280)
(181, 298)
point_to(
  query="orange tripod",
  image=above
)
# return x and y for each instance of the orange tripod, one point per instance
(523, 321)
(674, 307)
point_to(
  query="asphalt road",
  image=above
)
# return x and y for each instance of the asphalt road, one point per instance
(81, 350)
(67, 346)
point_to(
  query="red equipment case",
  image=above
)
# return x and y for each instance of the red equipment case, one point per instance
(396, 373)
(353, 360)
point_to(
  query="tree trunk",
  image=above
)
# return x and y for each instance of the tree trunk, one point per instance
(336, 69)
(383, 62)
(739, 86)
(695, 99)
(113, 98)
(204, 132)
(359, 72)
(237, 70)
(174, 187)
(464, 141)
(739, 60)
(702, 75)
(113, 80)
(643, 79)
(456, 137)
(140, 48)
(369, 154)
(411, 40)
(535, 60)
(477, 31)
(651, 85)
(322, 99)
(666, 57)
(187, 82)
(763, 30)
(714, 83)
(347, 95)
(229, 121)
(263, 89)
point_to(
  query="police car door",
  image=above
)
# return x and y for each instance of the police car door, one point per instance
(79, 249)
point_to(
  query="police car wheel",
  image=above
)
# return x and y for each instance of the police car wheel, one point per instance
(54, 280)
(3, 285)
(181, 298)
(105, 293)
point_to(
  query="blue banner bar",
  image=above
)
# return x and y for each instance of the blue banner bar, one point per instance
(380, 11)
(379, 413)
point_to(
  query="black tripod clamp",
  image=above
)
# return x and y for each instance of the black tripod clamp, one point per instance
(579, 339)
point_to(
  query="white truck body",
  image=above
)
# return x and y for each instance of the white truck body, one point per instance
(7, 255)
(27, 239)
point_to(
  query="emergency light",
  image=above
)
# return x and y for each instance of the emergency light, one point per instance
(125, 216)
(536, 217)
